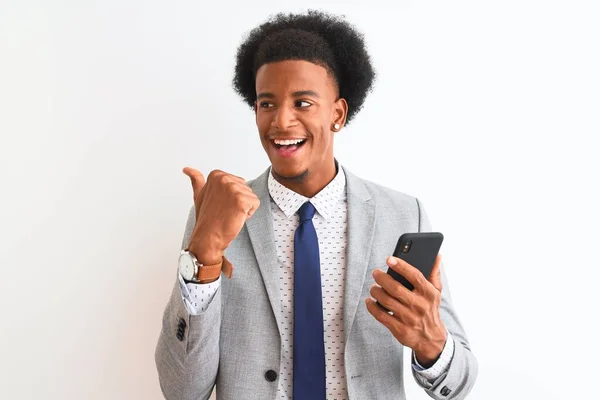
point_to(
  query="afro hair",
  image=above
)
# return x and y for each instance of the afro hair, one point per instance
(317, 37)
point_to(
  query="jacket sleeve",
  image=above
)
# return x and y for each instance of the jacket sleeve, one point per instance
(458, 380)
(187, 353)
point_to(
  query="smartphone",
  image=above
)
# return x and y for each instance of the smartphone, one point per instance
(419, 250)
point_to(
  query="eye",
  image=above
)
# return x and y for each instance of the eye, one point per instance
(303, 104)
(265, 104)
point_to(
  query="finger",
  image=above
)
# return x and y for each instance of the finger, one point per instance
(394, 288)
(399, 310)
(250, 203)
(411, 274)
(217, 173)
(244, 188)
(196, 178)
(435, 277)
(255, 206)
(396, 327)
(379, 313)
(239, 178)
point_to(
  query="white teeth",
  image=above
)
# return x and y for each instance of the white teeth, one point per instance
(288, 142)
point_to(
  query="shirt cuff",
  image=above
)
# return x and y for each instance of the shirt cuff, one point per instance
(197, 296)
(441, 365)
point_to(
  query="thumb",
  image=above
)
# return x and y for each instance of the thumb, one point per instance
(198, 183)
(435, 277)
(197, 179)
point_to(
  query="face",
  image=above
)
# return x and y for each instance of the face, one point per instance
(296, 109)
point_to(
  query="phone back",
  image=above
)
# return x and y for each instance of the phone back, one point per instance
(419, 250)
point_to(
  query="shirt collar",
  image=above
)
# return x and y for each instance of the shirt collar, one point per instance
(325, 201)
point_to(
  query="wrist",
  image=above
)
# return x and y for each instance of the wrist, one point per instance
(194, 270)
(430, 353)
(206, 256)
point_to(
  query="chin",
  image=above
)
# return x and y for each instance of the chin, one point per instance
(289, 172)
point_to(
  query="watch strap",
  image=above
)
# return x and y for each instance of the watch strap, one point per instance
(227, 268)
(212, 272)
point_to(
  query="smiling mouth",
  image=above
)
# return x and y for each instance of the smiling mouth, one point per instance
(287, 148)
(288, 144)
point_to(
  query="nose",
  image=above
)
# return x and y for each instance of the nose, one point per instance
(284, 118)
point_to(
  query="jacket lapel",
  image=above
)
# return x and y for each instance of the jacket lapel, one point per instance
(262, 238)
(361, 229)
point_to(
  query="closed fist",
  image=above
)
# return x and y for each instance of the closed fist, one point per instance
(223, 203)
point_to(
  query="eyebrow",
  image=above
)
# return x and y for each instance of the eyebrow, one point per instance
(299, 93)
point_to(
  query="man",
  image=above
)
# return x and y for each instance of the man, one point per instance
(299, 318)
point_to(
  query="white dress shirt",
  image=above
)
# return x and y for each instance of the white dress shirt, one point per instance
(330, 223)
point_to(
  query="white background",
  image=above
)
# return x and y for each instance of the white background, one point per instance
(486, 111)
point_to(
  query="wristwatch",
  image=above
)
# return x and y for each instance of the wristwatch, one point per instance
(195, 272)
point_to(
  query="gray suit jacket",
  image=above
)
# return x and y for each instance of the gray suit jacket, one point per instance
(236, 340)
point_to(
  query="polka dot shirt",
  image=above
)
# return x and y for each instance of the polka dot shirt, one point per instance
(330, 222)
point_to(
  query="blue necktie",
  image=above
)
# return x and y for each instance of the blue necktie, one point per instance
(309, 346)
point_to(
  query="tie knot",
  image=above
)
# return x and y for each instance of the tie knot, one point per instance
(306, 212)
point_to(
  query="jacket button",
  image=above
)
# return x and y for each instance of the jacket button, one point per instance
(181, 329)
(271, 375)
(445, 391)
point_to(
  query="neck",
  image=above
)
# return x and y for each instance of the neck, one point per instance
(310, 182)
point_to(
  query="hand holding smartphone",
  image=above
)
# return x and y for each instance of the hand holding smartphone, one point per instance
(419, 250)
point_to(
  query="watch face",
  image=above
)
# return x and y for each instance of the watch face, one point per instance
(186, 266)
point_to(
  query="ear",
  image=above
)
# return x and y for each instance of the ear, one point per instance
(340, 112)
